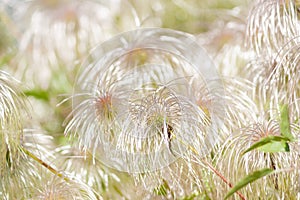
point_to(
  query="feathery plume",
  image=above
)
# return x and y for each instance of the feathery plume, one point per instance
(272, 23)
(16, 171)
(145, 90)
(52, 188)
(284, 183)
(56, 35)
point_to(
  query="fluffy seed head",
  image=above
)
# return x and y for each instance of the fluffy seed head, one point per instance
(53, 188)
(281, 184)
(11, 130)
(16, 170)
(135, 105)
(272, 23)
(55, 36)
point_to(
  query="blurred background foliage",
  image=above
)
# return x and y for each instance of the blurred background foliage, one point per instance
(216, 23)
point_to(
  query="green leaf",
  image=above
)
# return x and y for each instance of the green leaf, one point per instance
(38, 94)
(270, 144)
(162, 189)
(284, 125)
(249, 179)
(8, 158)
(118, 190)
(275, 146)
(196, 195)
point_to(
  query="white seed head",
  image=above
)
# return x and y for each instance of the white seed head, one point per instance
(134, 105)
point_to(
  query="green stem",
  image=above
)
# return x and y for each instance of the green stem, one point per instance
(50, 168)
(46, 165)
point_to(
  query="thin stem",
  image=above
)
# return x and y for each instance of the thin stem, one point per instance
(273, 166)
(222, 177)
(46, 165)
(213, 169)
(50, 168)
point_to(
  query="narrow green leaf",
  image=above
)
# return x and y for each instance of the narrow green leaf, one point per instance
(118, 190)
(38, 94)
(275, 146)
(162, 189)
(284, 125)
(8, 158)
(270, 142)
(194, 196)
(249, 179)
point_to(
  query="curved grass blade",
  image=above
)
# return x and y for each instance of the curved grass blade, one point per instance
(284, 125)
(249, 179)
(271, 144)
(162, 189)
(38, 94)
